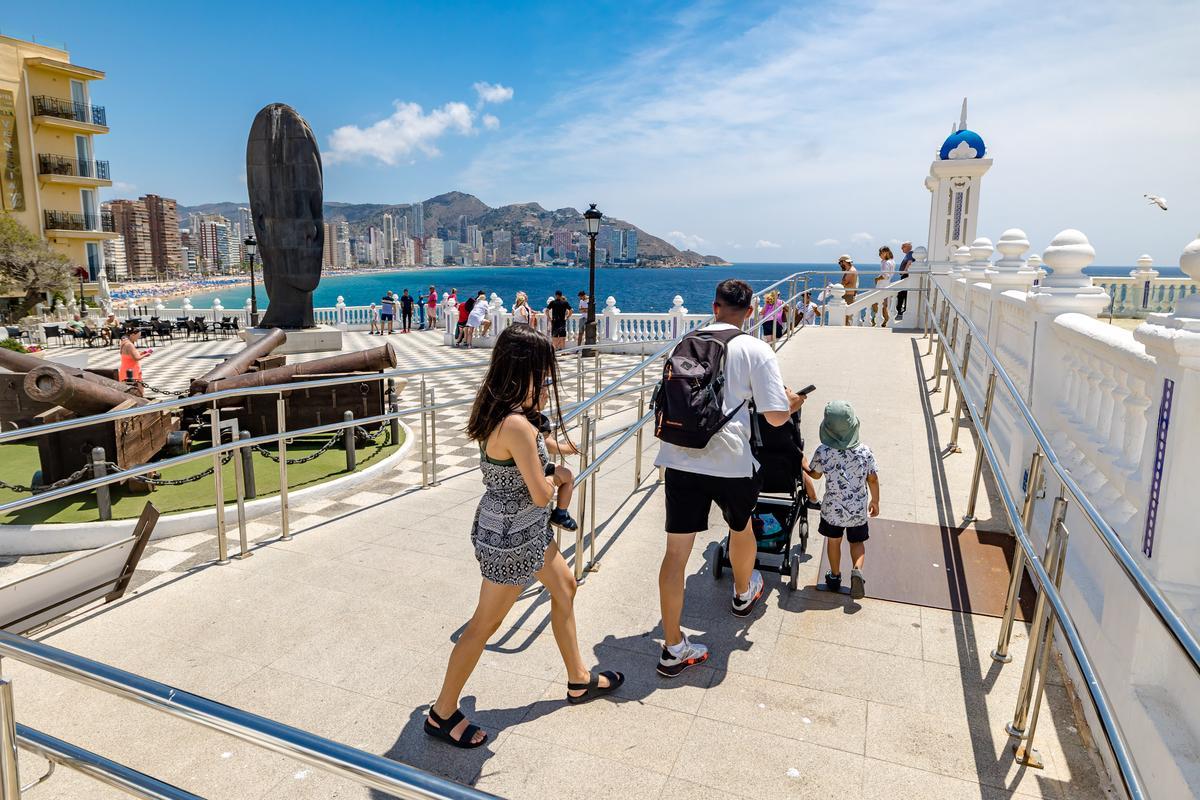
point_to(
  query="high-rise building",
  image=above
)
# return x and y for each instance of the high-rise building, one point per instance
(402, 227)
(132, 222)
(163, 215)
(609, 241)
(115, 265)
(389, 236)
(629, 245)
(210, 233)
(435, 251)
(328, 247)
(561, 241)
(462, 228)
(49, 176)
(416, 251)
(417, 221)
(501, 247)
(341, 254)
(246, 220)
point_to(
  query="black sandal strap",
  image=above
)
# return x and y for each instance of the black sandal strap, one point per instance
(468, 735)
(448, 723)
(594, 683)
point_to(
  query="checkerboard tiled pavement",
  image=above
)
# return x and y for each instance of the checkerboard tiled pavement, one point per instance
(176, 363)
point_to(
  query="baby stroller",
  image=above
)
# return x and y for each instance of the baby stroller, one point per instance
(781, 507)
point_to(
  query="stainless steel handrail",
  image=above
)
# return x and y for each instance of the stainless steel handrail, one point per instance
(1150, 593)
(359, 766)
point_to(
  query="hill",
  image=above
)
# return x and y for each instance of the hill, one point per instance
(528, 221)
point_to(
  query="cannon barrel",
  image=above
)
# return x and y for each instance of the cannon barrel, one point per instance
(377, 358)
(238, 363)
(50, 383)
(23, 362)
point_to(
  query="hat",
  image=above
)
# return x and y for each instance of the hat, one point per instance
(839, 429)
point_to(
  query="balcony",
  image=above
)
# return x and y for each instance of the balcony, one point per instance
(69, 114)
(61, 169)
(91, 224)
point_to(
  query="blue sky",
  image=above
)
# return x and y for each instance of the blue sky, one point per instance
(762, 131)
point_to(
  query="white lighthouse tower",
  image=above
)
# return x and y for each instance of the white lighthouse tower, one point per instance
(954, 180)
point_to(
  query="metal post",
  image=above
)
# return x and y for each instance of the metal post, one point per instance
(579, 377)
(247, 456)
(977, 473)
(103, 494)
(926, 311)
(239, 491)
(1025, 752)
(10, 776)
(1018, 566)
(584, 437)
(1040, 615)
(285, 527)
(424, 434)
(433, 478)
(599, 385)
(962, 396)
(592, 565)
(214, 415)
(949, 361)
(348, 442)
(393, 408)
(637, 456)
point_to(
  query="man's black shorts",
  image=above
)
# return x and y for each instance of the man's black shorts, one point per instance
(558, 330)
(690, 495)
(854, 533)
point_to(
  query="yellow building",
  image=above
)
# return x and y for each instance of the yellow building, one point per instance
(49, 175)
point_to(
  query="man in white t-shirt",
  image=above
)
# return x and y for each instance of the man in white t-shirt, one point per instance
(723, 472)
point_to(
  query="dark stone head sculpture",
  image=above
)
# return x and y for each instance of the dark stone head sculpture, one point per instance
(283, 175)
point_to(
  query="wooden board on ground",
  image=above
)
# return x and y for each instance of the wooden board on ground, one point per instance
(959, 569)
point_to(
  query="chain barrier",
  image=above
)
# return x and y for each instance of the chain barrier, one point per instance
(155, 390)
(75, 477)
(337, 437)
(225, 459)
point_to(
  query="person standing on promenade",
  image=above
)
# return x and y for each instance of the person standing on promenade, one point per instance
(772, 317)
(513, 540)
(558, 311)
(522, 314)
(387, 313)
(887, 270)
(583, 307)
(905, 263)
(420, 312)
(431, 302)
(131, 357)
(849, 280)
(373, 313)
(722, 471)
(406, 312)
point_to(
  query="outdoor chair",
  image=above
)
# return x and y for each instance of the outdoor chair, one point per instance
(18, 334)
(163, 328)
(53, 332)
(198, 327)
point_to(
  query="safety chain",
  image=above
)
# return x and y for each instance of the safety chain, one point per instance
(74, 477)
(337, 437)
(377, 435)
(165, 392)
(225, 459)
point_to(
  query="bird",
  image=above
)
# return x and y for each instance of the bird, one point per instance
(1156, 200)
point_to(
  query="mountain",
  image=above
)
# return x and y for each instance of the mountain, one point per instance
(529, 222)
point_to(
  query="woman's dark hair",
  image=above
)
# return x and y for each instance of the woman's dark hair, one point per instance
(521, 359)
(470, 304)
(885, 252)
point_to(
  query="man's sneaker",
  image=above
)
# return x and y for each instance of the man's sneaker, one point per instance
(744, 604)
(858, 585)
(688, 654)
(833, 583)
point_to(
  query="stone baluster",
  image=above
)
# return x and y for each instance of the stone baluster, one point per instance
(158, 307)
(836, 305)
(217, 308)
(1115, 447)
(676, 314)
(339, 310)
(1067, 288)
(1137, 403)
(1034, 264)
(612, 323)
(1104, 418)
(1011, 271)
(1144, 276)
(187, 306)
(977, 270)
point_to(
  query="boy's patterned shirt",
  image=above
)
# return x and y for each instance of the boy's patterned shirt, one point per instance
(846, 471)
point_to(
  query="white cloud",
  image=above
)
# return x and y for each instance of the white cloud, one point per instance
(410, 129)
(826, 243)
(685, 241)
(493, 92)
(862, 237)
(765, 244)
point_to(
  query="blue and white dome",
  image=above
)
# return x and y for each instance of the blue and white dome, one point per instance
(962, 144)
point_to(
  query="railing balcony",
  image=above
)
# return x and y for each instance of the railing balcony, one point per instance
(44, 106)
(73, 167)
(67, 221)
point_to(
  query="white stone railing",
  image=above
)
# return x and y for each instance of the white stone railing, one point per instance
(1137, 297)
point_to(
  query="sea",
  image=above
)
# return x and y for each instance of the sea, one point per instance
(635, 289)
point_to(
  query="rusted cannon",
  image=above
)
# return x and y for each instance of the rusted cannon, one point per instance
(373, 360)
(54, 384)
(238, 363)
(23, 362)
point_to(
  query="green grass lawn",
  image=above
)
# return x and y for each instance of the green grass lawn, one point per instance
(19, 461)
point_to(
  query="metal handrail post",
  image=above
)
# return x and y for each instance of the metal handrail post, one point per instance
(637, 456)
(949, 358)
(285, 525)
(1018, 566)
(10, 776)
(1025, 752)
(962, 396)
(1040, 619)
(214, 416)
(940, 358)
(977, 472)
(581, 507)
(239, 493)
(433, 478)
(424, 435)
(592, 565)
(579, 377)
(599, 384)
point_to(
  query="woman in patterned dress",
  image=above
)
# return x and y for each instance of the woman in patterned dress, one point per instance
(512, 536)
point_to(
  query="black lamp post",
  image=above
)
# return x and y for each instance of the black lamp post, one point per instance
(251, 250)
(591, 218)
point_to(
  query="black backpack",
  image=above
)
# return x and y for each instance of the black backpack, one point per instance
(687, 403)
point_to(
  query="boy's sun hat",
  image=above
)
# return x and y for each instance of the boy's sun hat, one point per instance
(839, 428)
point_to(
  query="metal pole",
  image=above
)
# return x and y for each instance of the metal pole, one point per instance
(977, 473)
(592, 565)
(348, 442)
(1040, 615)
(239, 490)
(433, 478)
(424, 435)
(285, 528)
(394, 408)
(949, 360)
(1018, 566)
(962, 396)
(584, 438)
(103, 494)
(926, 297)
(599, 384)
(248, 469)
(214, 415)
(10, 776)
(589, 334)
(637, 456)
(1025, 752)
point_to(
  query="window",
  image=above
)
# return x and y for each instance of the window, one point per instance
(83, 111)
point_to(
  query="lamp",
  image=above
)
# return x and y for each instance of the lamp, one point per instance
(251, 245)
(591, 219)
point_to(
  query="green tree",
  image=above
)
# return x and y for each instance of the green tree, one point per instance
(28, 265)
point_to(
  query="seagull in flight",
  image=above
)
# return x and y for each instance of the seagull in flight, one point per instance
(1156, 200)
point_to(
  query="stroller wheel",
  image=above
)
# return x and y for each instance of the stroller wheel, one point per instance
(794, 578)
(715, 565)
(803, 536)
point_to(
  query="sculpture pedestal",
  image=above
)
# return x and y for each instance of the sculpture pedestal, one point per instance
(321, 339)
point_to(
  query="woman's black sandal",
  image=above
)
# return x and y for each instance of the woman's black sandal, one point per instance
(563, 519)
(444, 727)
(592, 689)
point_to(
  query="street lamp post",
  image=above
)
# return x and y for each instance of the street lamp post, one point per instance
(251, 249)
(591, 218)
